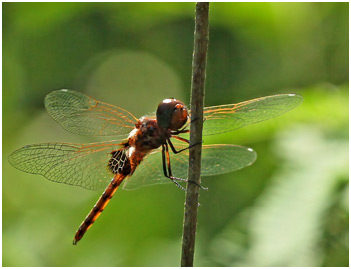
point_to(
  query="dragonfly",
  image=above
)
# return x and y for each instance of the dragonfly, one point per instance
(139, 153)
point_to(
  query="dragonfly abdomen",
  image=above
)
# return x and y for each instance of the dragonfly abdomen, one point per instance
(99, 206)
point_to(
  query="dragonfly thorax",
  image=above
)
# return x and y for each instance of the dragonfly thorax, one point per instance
(148, 134)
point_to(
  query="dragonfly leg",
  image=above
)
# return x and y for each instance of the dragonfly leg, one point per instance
(197, 184)
(165, 157)
(178, 185)
(182, 139)
(190, 181)
(182, 131)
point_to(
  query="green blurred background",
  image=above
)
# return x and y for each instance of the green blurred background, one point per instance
(290, 208)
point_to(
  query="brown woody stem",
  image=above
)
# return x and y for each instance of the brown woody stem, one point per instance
(197, 102)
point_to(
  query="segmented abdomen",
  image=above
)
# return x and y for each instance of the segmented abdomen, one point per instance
(99, 206)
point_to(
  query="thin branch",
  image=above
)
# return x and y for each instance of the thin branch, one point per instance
(197, 101)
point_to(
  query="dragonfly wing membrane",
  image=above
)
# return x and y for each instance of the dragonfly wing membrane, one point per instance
(225, 118)
(216, 159)
(72, 164)
(222, 158)
(81, 114)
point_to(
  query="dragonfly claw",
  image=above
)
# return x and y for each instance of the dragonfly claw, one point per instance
(195, 144)
(197, 184)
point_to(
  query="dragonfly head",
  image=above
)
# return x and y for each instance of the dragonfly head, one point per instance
(171, 114)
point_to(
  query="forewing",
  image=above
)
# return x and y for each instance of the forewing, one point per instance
(216, 159)
(73, 164)
(225, 118)
(81, 114)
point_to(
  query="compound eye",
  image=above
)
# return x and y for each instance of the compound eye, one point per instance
(178, 107)
(171, 114)
(179, 118)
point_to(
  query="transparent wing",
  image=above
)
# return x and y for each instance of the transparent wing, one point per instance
(81, 114)
(83, 165)
(216, 159)
(225, 118)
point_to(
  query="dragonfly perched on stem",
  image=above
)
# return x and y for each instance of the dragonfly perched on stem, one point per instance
(140, 157)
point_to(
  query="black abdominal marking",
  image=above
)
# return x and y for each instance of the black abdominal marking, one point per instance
(119, 162)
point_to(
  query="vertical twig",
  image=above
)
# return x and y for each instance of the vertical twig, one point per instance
(197, 101)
